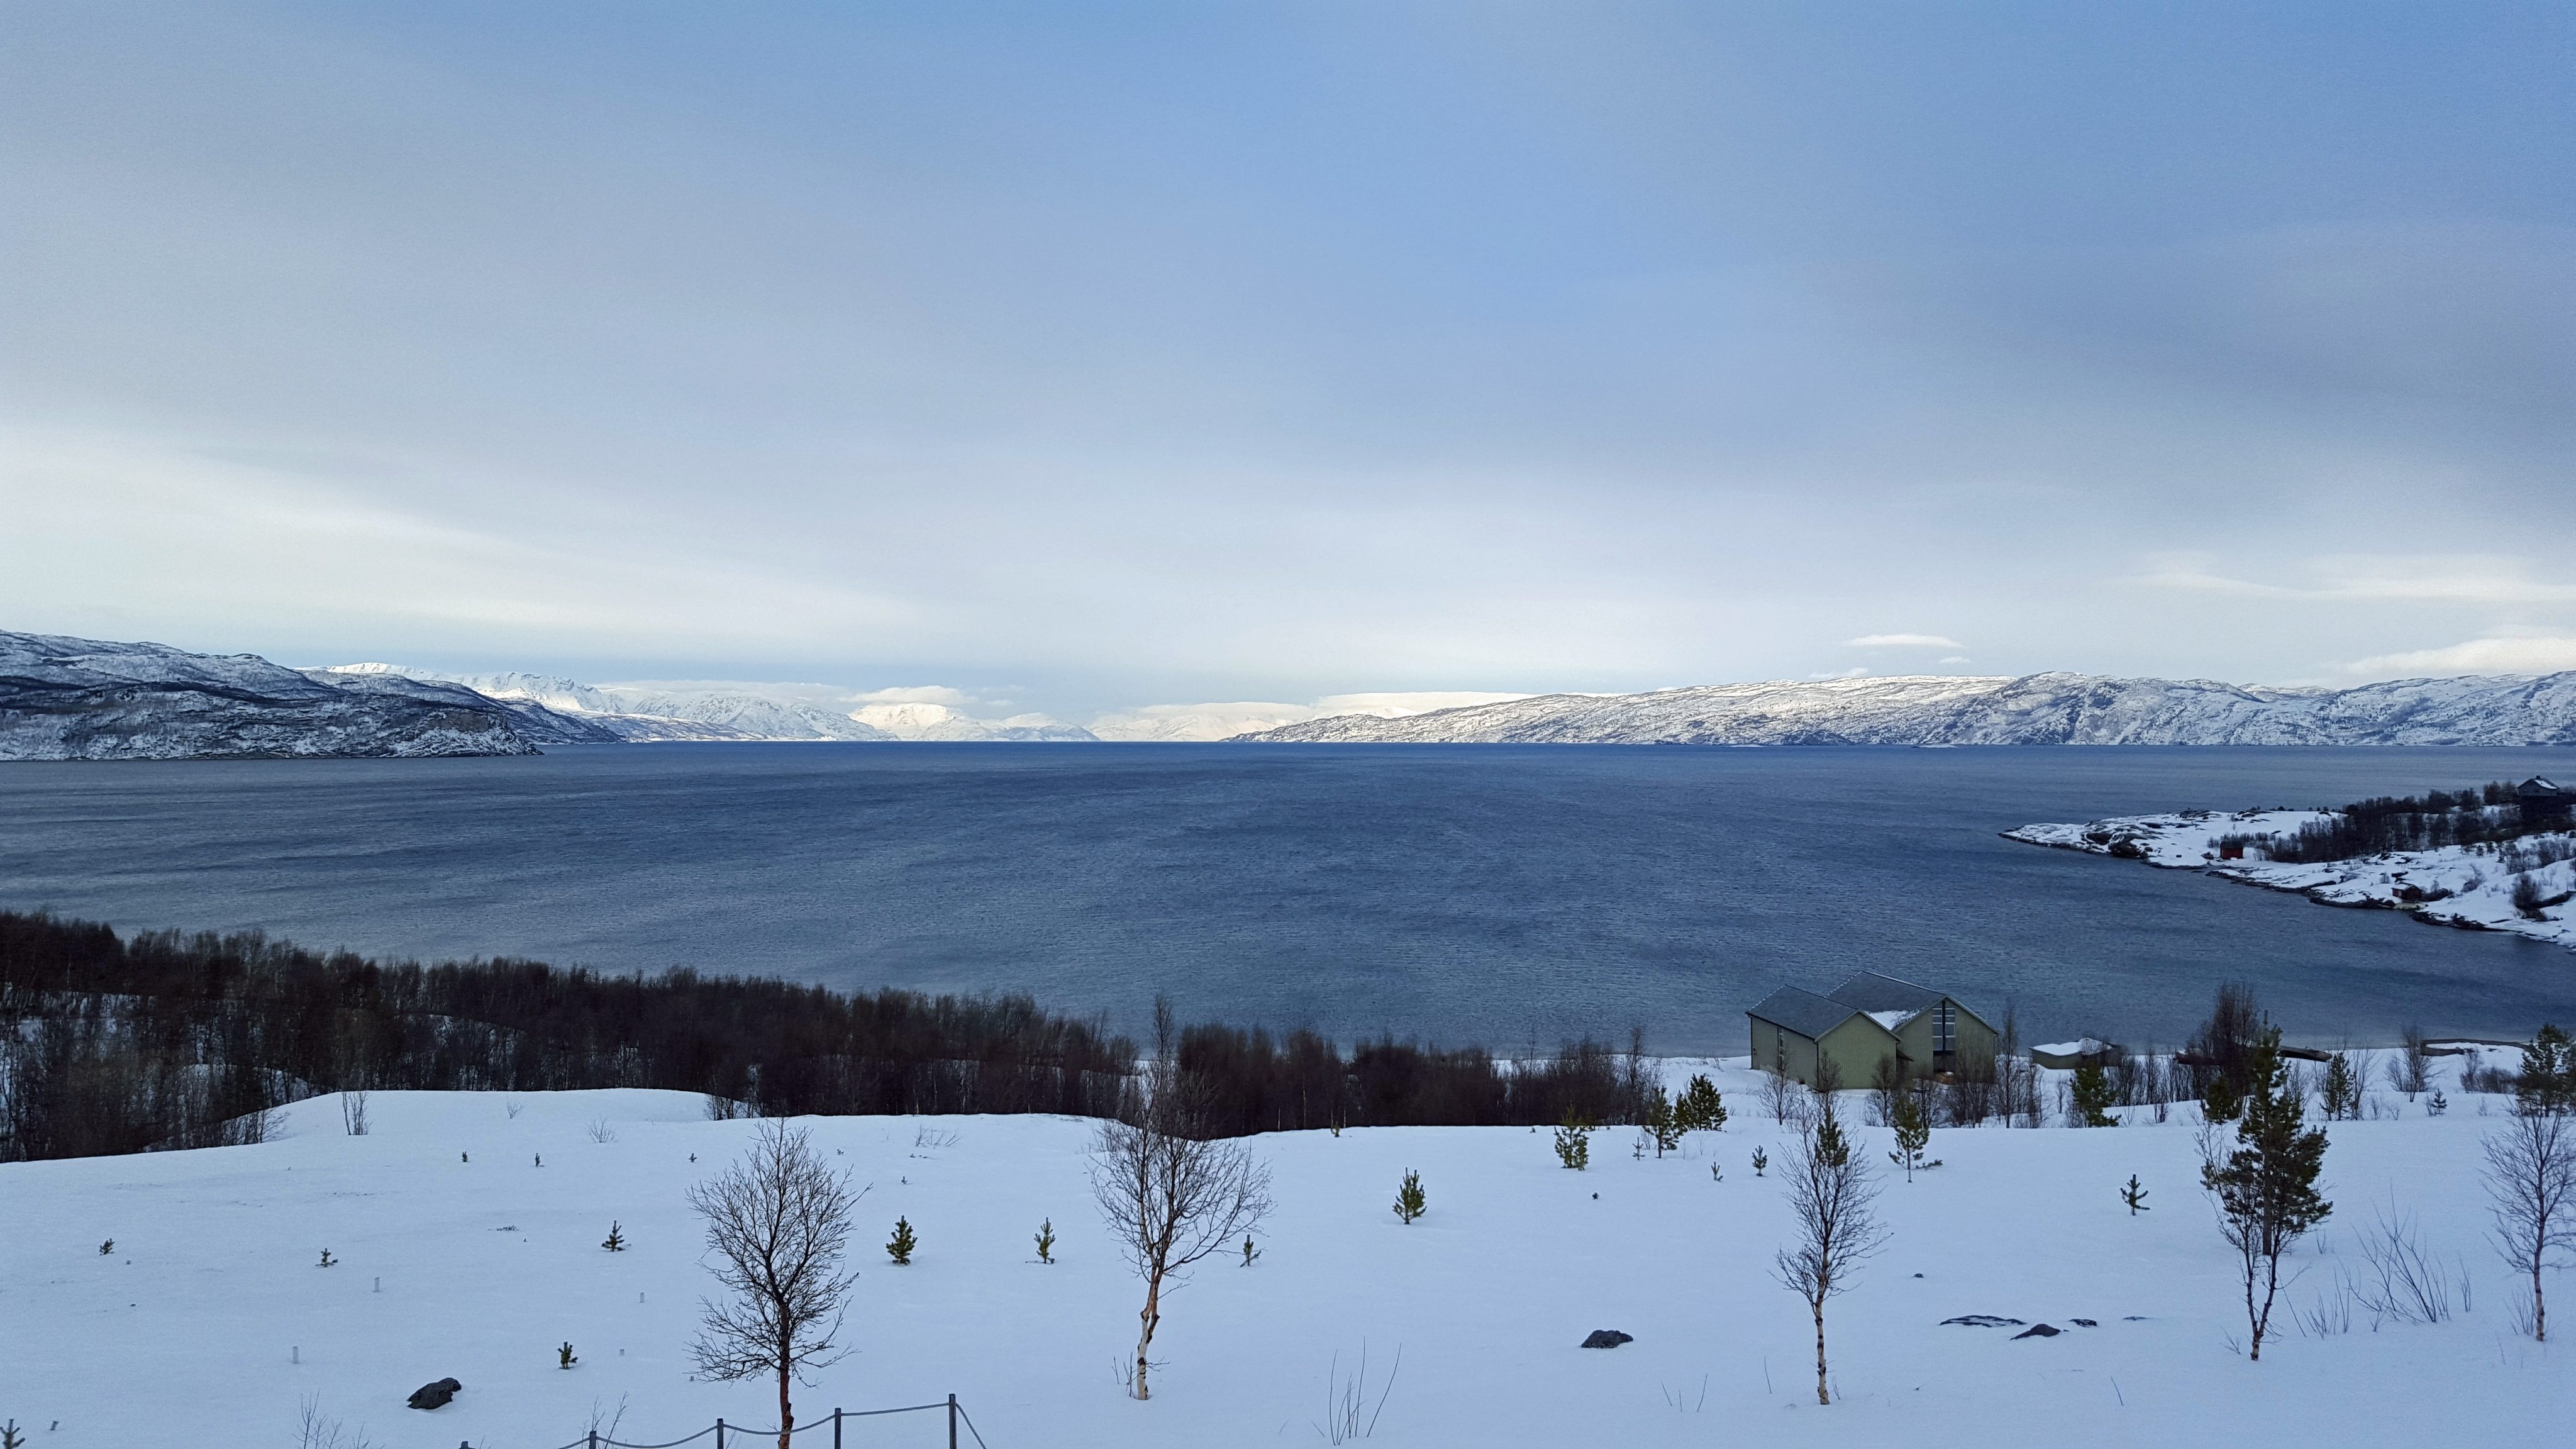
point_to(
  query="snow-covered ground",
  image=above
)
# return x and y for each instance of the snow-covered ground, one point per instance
(2466, 886)
(211, 1321)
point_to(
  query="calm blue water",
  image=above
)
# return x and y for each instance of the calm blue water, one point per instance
(1507, 895)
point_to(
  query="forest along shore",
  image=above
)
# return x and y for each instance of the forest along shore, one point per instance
(2493, 858)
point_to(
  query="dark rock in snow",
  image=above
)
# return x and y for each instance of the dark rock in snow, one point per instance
(2084, 1323)
(1608, 1338)
(1981, 1320)
(2038, 1330)
(434, 1395)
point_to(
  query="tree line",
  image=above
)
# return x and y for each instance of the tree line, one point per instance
(112, 1043)
(2477, 815)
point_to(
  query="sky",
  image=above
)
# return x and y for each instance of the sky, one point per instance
(1084, 358)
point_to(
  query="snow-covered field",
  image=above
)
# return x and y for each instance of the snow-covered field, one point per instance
(2466, 886)
(210, 1322)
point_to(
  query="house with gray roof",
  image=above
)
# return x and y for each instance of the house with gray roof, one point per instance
(1869, 1018)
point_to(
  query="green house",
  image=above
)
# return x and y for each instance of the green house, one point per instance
(1866, 1020)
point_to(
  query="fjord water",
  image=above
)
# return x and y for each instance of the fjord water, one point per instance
(1499, 894)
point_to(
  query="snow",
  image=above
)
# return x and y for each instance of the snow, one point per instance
(1893, 1019)
(2037, 709)
(191, 1331)
(2465, 886)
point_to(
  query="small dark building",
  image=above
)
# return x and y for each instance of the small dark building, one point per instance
(2543, 799)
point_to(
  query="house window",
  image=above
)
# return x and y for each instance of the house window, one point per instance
(1945, 1029)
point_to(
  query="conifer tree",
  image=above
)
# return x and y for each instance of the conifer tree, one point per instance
(616, 1240)
(1408, 1198)
(2135, 1196)
(1574, 1143)
(2339, 1096)
(1761, 1160)
(1913, 1134)
(2092, 1097)
(1700, 1108)
(1046, 1241)
(563, 1355)
(2267, 1186)
(2548, 1081)
(2219, 1101)
(900, 1246)
(1661, 1122)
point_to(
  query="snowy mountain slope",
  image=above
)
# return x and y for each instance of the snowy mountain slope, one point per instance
(85, 699)
(2467, 886)
(457, 1253)
(645, 713)
(2049, 709)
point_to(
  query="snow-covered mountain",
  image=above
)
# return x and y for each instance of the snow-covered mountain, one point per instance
(655, 713)
(2037, 709)
(86, 699)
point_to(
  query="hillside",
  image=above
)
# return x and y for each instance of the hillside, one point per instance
(85, 699)
(465, 1231)
(2038, 709)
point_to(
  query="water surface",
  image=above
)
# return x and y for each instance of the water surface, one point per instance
(1495, 893)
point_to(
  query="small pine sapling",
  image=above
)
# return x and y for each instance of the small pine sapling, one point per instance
(2266, 1189)
(107, 1249)
(1408, 1198)
(1761, 1160)
(1913, 1135)
(2436, 1104)
(2092, 1096)
(1663, 1123)
(1574, 1143)
(327, 1260)
(1700, 1108)
(1046, 1241)
(1250, 1253)
(900, 1246)
(2339, 1096)
(10, 1437)
(563, 1355)
(2135, 1196)
(2220, 1101)
(616, 1241)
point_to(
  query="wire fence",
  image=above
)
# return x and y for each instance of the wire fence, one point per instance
(743, 1436)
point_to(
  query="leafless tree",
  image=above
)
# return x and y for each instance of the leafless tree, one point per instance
(2531, 1183)
(778, 1225)
(1779, 1089)
(353, 1113)
(1171, 1194)
(2411, 1070)
(1830, 1190)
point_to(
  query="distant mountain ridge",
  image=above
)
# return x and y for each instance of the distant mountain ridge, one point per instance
(2035, 709)
(86, 699)
(646, 714)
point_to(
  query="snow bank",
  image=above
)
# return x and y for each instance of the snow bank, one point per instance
(190, 1331)
(2468, 886)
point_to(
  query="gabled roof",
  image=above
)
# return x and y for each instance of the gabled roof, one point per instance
(1804, 1012)
(2540, 785)
(1868, 991)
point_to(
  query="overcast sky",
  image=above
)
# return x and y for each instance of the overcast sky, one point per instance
(1089, 356)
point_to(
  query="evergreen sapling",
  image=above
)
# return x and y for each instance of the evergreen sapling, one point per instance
(1046, 1241)
(1913, 1135)
(563, 1355)
(616, 1241)
(1700, 1108)
(327, 1260)
(1574, 1143)
(900, 1246)
(1760, 1161)
(107, 1249)
(1250, 1253)
(2267, 1187)
(1662, 1123)
(2339, 1096)
(1408, 1198)
(2135, 1196)
(2092, 1097)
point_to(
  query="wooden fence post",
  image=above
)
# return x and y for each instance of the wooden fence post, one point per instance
(836, 1429)
(719, 1434)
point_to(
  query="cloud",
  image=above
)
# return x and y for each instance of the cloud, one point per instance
(1398, 704)
(2398, 578)
(2532, 654)
(913, 694)
(1902, 641)
(1224, 720)
(1855, 672)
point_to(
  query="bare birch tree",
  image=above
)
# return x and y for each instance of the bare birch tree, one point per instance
(1830, 1191)
(778, 1225)
(2531, 1182)
(1171, 1195)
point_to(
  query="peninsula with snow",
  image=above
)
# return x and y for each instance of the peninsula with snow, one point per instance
(2496, 858)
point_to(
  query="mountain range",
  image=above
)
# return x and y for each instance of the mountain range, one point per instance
(63, 698)
(2035, 709)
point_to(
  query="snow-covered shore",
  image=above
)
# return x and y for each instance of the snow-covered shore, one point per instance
(2466, 886)
(211, 1320)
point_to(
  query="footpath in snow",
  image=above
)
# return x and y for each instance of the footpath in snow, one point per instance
(2468, 886)
(465, 1234)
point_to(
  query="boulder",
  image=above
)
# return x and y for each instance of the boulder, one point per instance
(434, 1395)
(1981, 1320)
(1608, 1338)
(2038, 1330)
